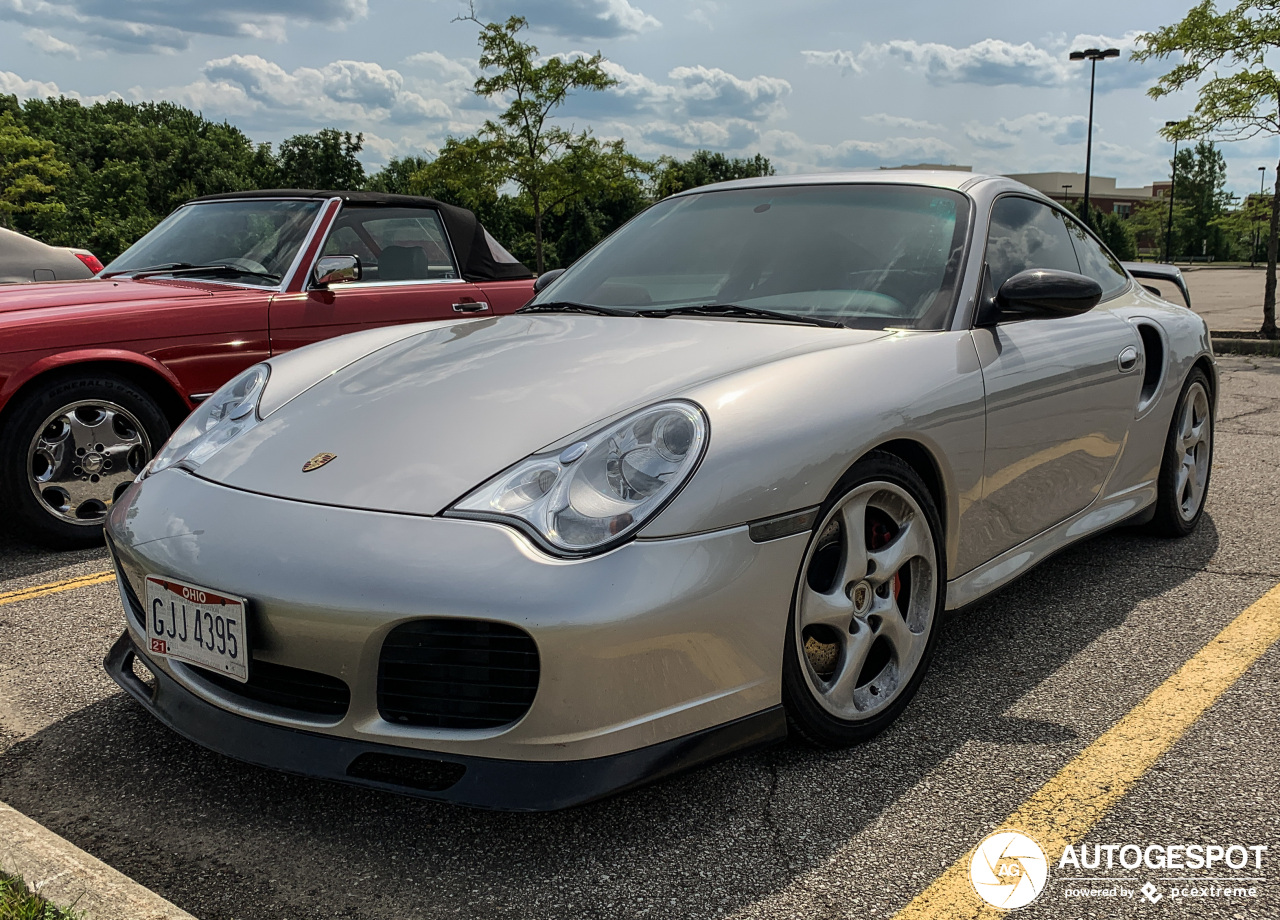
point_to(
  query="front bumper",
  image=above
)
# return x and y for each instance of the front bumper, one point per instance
(641, 649)
(479, 782)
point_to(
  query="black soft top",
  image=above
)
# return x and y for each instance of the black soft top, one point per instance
(480, 256)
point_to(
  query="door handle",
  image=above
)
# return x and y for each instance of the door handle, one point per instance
(1128, 359)
(471, 306)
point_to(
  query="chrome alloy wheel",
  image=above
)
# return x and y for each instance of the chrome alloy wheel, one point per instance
(1195, 444)
(83, 457)
(867, 601)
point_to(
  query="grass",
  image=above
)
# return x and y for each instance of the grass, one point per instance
(17, 903)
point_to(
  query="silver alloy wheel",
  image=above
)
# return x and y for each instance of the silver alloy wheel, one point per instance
(83, 457)
(866, 601)
(1195, 443)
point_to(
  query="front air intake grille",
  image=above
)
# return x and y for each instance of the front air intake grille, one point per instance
(289, 688)
(442, 673)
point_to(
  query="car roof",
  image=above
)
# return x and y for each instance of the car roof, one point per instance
(934, 178)
(383, 199)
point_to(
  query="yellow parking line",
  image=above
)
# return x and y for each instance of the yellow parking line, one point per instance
(1063, 810)
(26, 594)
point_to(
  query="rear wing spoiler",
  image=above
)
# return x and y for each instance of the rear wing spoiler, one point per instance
(1156, 271)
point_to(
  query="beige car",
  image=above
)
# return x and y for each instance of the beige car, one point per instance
(23, 260)
(715, 483)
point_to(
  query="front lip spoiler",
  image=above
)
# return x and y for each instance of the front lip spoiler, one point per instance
(478, 782)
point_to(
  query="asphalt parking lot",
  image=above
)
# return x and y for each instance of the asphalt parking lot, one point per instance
(1022, 684)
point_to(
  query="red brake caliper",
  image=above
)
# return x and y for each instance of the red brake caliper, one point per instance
(881, 534)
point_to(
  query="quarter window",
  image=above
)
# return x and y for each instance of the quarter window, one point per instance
(1026, 234)
(1096, 262)
(394, 244)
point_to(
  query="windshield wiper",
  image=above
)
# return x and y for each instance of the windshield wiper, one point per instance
(568, 306)
(733, 309)
(186, 268)
(149, 270)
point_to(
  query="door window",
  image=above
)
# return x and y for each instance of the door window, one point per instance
(1026, 234)
(394, 244)
(1096, 262)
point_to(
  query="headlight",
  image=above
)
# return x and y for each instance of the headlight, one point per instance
(598, 491)
(216, 422)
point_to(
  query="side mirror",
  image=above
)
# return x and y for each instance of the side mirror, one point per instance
(1042, 293)
(336, 270)
(546, 278)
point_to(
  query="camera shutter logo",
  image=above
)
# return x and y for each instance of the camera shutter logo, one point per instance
(1008, 870)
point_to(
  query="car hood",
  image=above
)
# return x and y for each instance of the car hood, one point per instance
(55, 294)
(424, 420)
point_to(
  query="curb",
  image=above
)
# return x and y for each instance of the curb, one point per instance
(69, 877)
(1229, 345)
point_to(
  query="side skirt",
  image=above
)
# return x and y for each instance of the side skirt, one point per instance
(1129, 506)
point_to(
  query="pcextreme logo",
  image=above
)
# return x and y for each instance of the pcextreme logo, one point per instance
(1009, 870)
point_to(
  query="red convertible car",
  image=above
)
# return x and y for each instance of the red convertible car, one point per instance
(95, 374)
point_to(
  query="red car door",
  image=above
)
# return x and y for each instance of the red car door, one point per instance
(409, 274)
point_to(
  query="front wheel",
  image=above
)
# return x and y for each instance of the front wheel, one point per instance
(69, 450)
(867, 602)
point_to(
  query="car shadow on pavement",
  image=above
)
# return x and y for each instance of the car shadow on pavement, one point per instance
(20, 558)
(222, 839)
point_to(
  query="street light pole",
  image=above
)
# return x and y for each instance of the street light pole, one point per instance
(1093, 56)
(1262, 190)
(1173, 184)
(1066, 193)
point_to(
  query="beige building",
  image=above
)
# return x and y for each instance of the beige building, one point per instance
(1104, 194)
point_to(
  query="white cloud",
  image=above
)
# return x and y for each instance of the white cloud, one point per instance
(847, 61)
(694, 94)
(721, 134)
(446, 67)
(357, 92)
(708, 91)
(990, 62)
(14, 85)
(43, 41)
(1060, 129)
(574, 18)
(995, 62)
(169, 26)
(901, 122)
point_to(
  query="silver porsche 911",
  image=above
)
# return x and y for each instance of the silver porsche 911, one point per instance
(717, 481)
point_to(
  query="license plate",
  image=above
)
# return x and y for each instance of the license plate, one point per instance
(198, 626)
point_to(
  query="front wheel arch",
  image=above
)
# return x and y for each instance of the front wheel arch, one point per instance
(151, 382)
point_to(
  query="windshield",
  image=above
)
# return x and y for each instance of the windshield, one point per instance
(257, 239)
(867, 256)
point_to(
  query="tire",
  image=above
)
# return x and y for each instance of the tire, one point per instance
(1187, 448)
(860, 637)
(69, 449)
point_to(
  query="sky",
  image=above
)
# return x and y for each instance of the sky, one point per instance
(815, 85)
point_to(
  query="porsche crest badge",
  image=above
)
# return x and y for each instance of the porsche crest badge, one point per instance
(318, 461)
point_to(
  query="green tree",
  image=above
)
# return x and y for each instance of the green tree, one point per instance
(130, 165)
(1112, 229)
(534, 153)
(1201, 187)
(1150, 223)
(29, 172)
(705, 167)
(324, 160)
(1242, 228)
(1225, 57)
(396, 178)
